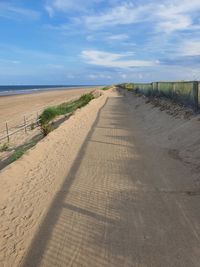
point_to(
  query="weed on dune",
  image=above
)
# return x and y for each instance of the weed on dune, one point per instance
(4, 147)
(105, 88)
(51, 113)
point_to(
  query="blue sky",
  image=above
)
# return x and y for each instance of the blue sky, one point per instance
(98, 41)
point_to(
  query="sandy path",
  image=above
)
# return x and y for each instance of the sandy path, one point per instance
(126, 201)
(13, 108)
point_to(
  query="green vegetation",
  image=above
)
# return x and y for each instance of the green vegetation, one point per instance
(45, 124)
(21, 150)
(129, 86)
(105, 88)
(32, 127)
(65, 108)
(46, 129)
(4, 147)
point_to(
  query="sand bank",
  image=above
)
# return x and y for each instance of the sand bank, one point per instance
(29, 185)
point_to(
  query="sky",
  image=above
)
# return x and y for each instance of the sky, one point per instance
(98, 41)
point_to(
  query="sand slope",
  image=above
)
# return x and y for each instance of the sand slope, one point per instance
(13, 108)
(29, 185)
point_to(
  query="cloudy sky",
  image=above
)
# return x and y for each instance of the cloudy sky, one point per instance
(98, 41)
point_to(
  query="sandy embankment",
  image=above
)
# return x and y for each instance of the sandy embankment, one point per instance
(14, 108)
(29, 185)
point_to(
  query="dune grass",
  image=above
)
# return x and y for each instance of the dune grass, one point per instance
(51, 112)
(105, 88)
(45, 118)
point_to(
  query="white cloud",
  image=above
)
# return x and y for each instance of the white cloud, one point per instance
(168, 16)
(190, 48)
(12, 12)
(68, 5)
(165, 16)
(99, 76)
(55, 66)
(118, 37)
(113, 60)
(10, 61)
(119, 15)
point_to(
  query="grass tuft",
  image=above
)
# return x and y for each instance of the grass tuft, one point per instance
(106, 88)
(51, 113)
(4, 147)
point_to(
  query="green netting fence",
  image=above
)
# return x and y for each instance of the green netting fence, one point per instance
(187, 93)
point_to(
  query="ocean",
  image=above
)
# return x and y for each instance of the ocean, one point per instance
(28, 89)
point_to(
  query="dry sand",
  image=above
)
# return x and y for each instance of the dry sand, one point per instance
(13, 108)
(117, 184)
(29, 185)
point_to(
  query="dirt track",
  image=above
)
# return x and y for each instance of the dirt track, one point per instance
(129, 198)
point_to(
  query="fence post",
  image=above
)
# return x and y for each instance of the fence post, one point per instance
(7, 132)
(195, 96)
(25, 123)
(174, 91)
(37, 120)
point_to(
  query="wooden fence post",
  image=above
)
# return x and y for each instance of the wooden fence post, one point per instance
(25, 124)
(195, 96)
(174, 91)
(7, 132)
(37, 120)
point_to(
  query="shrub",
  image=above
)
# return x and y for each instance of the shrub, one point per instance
(32, 126)
(45, 129)
(106, 88)
(4, 147)
(48, 114)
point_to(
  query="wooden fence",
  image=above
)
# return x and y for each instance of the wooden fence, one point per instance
(187, 93)
(24, 126)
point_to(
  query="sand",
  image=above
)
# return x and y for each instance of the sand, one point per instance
(13, 108)
(29, 185)
(115, 185)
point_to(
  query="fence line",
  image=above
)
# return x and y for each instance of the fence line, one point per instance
(187, 93)
(24, 126)
(37, 111)
(9, 131)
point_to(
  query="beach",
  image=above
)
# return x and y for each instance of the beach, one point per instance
(115, 179)
(13, 108)
(16, 109)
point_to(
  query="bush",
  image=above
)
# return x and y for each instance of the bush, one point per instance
(45, 129)
(4, 147)
(129, 86)
(48, 114)
(106, 88)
